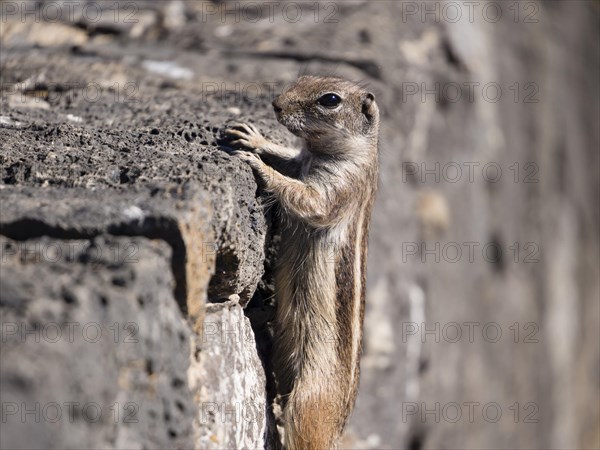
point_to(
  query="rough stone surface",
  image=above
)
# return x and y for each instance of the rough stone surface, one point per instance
(226, 366)
(111, 110)
(86, 324)
(75, 213)
(46, 152)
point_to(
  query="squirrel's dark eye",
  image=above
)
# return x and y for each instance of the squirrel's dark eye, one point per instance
(330, 100)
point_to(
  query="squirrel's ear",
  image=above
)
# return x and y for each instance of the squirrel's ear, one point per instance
(369, 108)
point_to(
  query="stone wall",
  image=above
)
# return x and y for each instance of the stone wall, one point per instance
(137, 254)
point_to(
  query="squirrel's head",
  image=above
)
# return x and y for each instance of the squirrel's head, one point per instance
(323, 108)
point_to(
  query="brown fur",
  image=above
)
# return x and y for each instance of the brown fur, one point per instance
(326, 202)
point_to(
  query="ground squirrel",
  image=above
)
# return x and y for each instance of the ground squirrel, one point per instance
(325, 192)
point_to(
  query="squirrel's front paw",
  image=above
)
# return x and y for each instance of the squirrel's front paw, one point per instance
(252, 159)
(248, 137)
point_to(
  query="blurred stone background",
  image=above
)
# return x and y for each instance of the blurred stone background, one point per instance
(137, 255)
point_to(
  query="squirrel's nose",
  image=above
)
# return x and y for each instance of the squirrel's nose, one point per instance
(277, 105)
